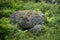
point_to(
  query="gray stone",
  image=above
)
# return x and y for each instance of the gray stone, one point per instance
(27, 19)
(36, 28)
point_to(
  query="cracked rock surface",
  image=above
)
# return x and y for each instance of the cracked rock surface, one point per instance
(28, 19)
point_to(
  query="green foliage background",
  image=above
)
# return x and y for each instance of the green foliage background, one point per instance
(51, 29)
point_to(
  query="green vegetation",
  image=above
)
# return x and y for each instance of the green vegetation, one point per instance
(51, 29)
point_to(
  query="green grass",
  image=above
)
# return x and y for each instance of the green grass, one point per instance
(51, 29)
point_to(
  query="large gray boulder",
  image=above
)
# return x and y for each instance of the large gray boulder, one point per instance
(28, 19)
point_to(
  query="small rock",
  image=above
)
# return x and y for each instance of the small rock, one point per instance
(36, 28)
